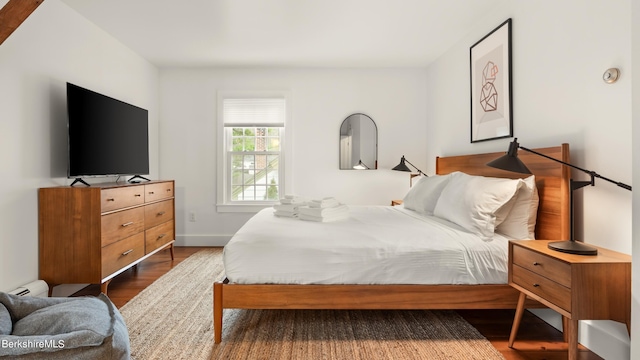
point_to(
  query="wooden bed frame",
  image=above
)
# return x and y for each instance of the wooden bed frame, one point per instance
(553, 223)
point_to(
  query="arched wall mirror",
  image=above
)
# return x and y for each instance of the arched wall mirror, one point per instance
(358, 143)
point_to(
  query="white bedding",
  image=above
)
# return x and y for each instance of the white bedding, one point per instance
(375, 245)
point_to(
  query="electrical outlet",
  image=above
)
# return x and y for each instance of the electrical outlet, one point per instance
(192, 216)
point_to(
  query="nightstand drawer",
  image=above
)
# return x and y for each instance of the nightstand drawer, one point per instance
(546, 266)
(541, 286)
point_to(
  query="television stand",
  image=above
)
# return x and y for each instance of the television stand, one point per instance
(137, 177)
(79, 180)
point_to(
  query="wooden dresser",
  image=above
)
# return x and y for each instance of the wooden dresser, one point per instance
(579, 287)
(88, 235)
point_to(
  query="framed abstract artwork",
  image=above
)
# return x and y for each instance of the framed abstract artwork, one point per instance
(491, 97)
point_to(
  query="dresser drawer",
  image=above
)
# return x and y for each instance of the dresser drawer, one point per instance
(544, 265)
(122, 224)
(159, 236)
(122, 253)
(118, 198)
(158, 213)
(542, 287)
(159, 191)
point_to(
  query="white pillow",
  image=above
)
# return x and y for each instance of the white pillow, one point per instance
(424, 194)
(520, 222)
(472, 201)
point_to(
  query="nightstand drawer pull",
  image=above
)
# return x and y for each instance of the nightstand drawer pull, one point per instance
(127, 252)
(127, 224)
(535, 263)
(161, 213)
(111, 199)
(137, 195)
(161, 236)
(536, 285)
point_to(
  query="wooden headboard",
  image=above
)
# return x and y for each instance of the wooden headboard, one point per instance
(552, 179)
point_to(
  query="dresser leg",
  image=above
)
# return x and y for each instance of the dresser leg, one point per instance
(565, 327)
(517, 318)
(171, 251)
(573, 339)
(104, 286)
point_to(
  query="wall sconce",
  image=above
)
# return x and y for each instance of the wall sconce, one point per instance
(511, 162)
(403, 167)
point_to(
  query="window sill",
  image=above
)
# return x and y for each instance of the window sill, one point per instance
(241, 208)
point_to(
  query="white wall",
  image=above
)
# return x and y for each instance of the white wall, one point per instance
(322, 99)
(635, 100)
(53, 46)
(560, 51)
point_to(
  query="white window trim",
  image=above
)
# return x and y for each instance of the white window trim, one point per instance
(222, 203)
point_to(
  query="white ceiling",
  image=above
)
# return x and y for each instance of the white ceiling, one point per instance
(286, 33)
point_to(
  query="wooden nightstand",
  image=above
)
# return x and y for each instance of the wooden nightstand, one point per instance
(579, 287)
(396, 202)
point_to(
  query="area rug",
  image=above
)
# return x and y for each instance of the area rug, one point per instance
(172, 319)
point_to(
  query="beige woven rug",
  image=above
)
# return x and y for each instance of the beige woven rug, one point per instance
(172, 319)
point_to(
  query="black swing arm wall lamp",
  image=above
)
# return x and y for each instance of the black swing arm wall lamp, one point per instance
(403, 167)
(511, 162)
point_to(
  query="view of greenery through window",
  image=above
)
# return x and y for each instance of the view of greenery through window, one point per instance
(255, 155)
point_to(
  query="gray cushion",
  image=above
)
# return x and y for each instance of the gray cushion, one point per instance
(5, 321)
(71, 328)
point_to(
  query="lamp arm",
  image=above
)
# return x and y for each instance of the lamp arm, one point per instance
(593, 174)
(419, 171)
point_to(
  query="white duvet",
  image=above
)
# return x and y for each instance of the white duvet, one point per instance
(375, 245)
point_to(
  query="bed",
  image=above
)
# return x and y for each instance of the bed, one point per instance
(553, 222)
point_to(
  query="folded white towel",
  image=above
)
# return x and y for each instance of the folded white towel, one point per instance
(285, 214)
(324, 203)
(327, 211)
(287, 207)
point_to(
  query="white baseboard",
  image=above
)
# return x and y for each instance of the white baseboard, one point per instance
(202, 240)
(609, 339)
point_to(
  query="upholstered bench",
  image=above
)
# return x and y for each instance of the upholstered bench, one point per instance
(61, 328)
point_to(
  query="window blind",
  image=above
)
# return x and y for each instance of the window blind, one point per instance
(254, 112)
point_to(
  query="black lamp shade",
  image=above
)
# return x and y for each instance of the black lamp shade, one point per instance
(510, 160)
(402, 166)
(510, 163)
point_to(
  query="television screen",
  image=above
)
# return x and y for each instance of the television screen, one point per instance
(106, 136)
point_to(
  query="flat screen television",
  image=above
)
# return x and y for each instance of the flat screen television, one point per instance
(106, 136)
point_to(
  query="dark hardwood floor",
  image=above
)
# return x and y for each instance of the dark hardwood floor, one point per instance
(536, 339)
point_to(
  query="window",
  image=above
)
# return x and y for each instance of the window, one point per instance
(252, 174)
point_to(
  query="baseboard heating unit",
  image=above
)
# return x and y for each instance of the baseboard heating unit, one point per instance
(38, 288)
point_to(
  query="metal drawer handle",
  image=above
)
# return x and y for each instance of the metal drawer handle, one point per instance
(151, 193)
(111, 199)
(161, 213)
(536, 285)
(535, 263)
(137, 195)
(161, 236)
(127, 224)
(127, 252)
(168, 190)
